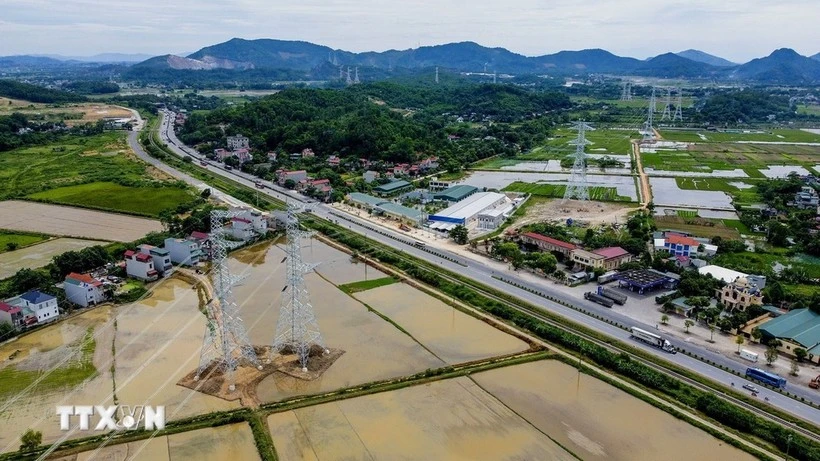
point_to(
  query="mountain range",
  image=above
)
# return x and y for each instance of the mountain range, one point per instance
(783, 66)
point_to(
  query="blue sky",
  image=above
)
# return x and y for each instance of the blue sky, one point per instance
(738, 30)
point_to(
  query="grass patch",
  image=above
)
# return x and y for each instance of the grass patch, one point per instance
(784, 135)
(698, 227)
(18, 239)
(71, 375)
(110, 196)
(761, 263)
(365, 285)
(72, 160)
(604, 194)
(687, 213)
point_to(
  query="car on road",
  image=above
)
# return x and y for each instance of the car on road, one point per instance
(750, 387)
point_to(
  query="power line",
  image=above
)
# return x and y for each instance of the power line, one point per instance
(577, 186)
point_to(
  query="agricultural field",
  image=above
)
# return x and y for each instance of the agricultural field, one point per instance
(776, 135)
(10, 241)
(762, 262)
(106, 195)
(812, 109)
(40, 255)
(743, 192)
(604, 194)
(699, 227)
(667, 192)
(624, 185)
(71, 114)
(75, 222)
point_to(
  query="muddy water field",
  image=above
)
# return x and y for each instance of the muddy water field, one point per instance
(39, 255)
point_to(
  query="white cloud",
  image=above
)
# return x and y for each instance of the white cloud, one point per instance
(736, 29)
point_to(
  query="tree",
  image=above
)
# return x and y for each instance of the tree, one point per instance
(31, 440)
(800, 353)
(290, 184)
(11, 246)
(712, 332)
(771, 354)
(206, 193)
(459, 234)
(756, 334)
(739, 341)
(664, 319)
(795, 369)
(688, 323)
(544, 261)
(5, 330)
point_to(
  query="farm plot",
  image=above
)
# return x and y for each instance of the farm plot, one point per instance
(742, 192)
(699, 227)
(604, 194)
(748, 135)
(10, 241)
(589, 417)
(39, 255)
(412, 423)
(71, 114)
(666, 192)
(75, 222)
(138, 200)
(451, 335)
(624, 185)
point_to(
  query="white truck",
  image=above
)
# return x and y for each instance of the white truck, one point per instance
(653, 340)
(748, 355)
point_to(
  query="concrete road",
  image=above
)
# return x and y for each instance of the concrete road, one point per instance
(485, 275)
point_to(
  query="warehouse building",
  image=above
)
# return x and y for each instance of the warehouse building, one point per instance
(482, 210)
(387, 208)
(456, 193)
(392, 188)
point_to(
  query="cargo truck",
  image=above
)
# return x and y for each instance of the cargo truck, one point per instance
(607, 277)
(619, 298)
(653, 340)
(596, 298)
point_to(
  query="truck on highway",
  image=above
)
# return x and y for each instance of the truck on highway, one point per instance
(619, 298)
(653, 340)
(596, 298)
(607, 277)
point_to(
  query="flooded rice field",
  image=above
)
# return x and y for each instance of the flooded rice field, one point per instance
(445, 420)
(625, 185)
(450, 334)
(40, 254)
(212, 444)
(665, 191)
(74, 222)
(736, 173)
(597, 421)
(781, 171)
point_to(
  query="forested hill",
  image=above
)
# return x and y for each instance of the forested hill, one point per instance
(33, 93)
(371, 121)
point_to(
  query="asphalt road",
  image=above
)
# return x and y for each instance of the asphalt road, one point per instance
(486, 276)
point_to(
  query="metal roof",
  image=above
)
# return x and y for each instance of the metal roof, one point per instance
(801, 326)
(721, 273)
(364, 198)
(470, 206)
(456, 193)
(396, 209)
(392, 186)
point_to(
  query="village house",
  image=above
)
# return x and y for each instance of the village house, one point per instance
(550, 244)
(39, 307)
(296, 176)
(12, 315)
(83, 290)
(271, 156)
(183, 251)
(222, 154)
(243, 155)
(242, 228)
(160, 256)
(740, 294)
(140, 265)
(609, 258)
(370, 176)
(334, 161)
(308, 153)
(677, 245)
(238, 142)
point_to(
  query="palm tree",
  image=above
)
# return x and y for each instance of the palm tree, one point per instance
(664, 319)
(688, 323)
(712, 332)
(739, 341)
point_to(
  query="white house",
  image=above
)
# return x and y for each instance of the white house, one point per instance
(237, 142)
(83, 290)
(183, 251)
(242, 228)
(160, 256)
(140, 265)
(43, 307)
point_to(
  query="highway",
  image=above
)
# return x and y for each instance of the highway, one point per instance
(487, 276)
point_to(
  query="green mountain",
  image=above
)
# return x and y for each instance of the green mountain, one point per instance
(706, 58)
(784, 66)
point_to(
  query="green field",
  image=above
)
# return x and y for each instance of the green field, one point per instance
(604, 194)
(687, 213)
(111, 196)
(761, 263)
(813, 109)
(365, 285)
(779, 135)
(75, 160)
(19, 239)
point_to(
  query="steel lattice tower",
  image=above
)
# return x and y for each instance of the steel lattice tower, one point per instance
(226, 344)
(296, 330)
(577, 186)
(678, 107)
(649, 132)
(348, 80)
(626, 92)
(356, 80)
(667, 112)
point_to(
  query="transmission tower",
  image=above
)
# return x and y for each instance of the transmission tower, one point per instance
(356, 80)
(226, 344)
(297, 329)
(626, 92)
(577, 186)
(667, 114)
(348, 81)
(341, 73)
(436, 74)
(678, 107)
(649, 131)
(495, 75)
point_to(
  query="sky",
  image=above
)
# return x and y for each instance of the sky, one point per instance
(738, 30)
